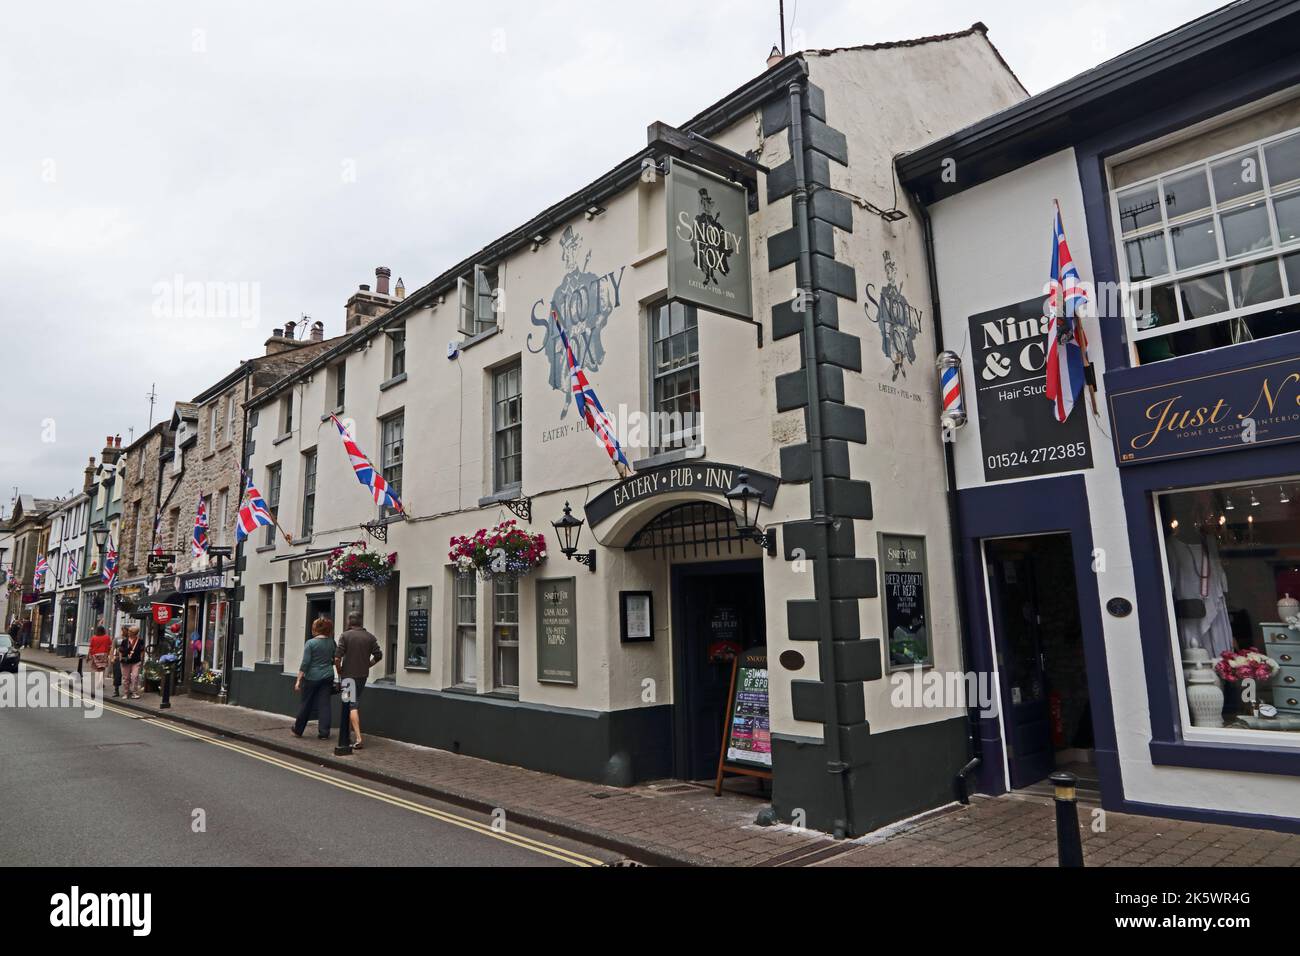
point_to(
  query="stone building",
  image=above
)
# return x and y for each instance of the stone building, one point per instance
(29, 526)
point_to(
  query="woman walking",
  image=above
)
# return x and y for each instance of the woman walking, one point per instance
(131, 653)
(101, 647)
(316, 678)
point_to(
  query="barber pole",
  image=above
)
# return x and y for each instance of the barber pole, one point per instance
(954, 406)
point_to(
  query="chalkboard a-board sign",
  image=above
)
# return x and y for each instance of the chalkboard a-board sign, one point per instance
(746, 732)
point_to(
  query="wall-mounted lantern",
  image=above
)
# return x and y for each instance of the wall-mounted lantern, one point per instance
(567, 531)
(745, 501)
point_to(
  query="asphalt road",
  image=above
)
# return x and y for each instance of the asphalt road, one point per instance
(122, 789)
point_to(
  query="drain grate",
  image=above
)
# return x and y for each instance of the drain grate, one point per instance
(677, 788)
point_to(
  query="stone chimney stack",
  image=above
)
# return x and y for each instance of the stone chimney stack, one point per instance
(90, 475)
(111, 452)
(364, 306)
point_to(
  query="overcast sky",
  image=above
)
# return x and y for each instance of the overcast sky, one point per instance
(292, 147)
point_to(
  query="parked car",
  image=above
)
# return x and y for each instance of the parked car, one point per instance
(9, 654)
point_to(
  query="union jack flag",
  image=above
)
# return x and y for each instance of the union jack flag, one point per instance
(254, 514)
(1067, 344)
(589, 407)
(72, 567)
(38, 576)
(200, 545)
(367, 473)
(110, 563)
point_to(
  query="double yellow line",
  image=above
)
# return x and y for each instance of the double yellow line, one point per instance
(466, 823)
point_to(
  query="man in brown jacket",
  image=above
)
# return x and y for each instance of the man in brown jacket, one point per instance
(358, 651)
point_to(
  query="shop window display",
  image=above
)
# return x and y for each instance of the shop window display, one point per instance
(1232, 558)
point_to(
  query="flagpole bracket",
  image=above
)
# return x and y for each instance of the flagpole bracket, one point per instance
(521, 508)
(376, 529)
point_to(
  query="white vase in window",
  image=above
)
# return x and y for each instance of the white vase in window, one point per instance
(1204, 695)
(1287, 608)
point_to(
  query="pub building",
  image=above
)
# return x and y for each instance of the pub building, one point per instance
(747, 297)
(1107, 563)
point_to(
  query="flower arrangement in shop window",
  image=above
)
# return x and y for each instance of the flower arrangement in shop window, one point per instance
(1245, 665)
(505, 550)
(356, 565)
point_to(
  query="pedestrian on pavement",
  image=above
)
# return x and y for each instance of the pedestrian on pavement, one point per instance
(358, 651)
(101, 648)
(131, 653)
(26, 633)
(316, 678)
(15, 631)
(117, 672)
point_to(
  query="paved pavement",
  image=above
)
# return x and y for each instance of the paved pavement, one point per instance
(674, 823)
(124, 788)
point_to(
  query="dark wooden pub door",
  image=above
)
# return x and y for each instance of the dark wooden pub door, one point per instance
(718, 606)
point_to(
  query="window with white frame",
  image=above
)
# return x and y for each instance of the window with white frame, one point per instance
(214, 417)
(268, 619)
(1211, 250)
(308, 493)
(221, 528)
(286, 415)
(392, 453)
(397, 351)
(478, 300)
(465, 624)
(273, 476)
(675, 376)
(507, 427)
(505, 633)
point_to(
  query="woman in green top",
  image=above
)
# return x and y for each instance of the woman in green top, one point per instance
(316, 678)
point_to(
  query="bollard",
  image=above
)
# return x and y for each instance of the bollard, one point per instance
(344, 749)
(1069, 848)
(166, 688)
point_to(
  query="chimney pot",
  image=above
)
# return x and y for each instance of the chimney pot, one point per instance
(318, 331)
(774, 57)
(400, 291)
(365, 287)
(382, 275)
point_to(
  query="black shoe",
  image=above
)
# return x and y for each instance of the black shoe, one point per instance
(320, 736)
(296, 733)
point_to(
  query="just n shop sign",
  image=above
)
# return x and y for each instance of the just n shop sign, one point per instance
(1255, 405)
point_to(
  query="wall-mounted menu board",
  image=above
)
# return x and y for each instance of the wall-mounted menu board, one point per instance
(746, 735)
(905, 600)
(557, 631)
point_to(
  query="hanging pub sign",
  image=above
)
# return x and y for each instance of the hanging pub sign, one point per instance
(905, 599)
(1241, 408)
(158, 563)
(747, 735)
(1019, 435)
(557, 631)
(708, 241)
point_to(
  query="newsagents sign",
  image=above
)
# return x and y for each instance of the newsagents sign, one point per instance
(708, 241)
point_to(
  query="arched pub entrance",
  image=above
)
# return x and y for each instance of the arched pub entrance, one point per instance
(678, 535)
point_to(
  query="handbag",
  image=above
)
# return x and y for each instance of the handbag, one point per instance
(99, 661)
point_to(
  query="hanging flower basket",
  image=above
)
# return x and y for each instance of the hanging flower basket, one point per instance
(503, 551)
(355, 565)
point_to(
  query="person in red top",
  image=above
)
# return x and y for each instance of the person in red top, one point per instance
(101, 647)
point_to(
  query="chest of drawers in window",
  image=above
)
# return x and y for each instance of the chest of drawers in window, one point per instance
(1282, 643)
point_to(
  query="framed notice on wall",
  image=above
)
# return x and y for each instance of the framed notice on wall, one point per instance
(557, 631)
(1019, 434)
(636, 619)
(905, 600)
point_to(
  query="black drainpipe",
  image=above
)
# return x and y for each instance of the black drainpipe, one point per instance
(237, 576)
(835, 766)
(961, 783)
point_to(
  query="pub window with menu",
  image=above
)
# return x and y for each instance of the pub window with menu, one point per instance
(1232, 575)
(1211, 248)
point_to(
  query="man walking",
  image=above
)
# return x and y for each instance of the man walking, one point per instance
(130, 651)
(358, 651)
